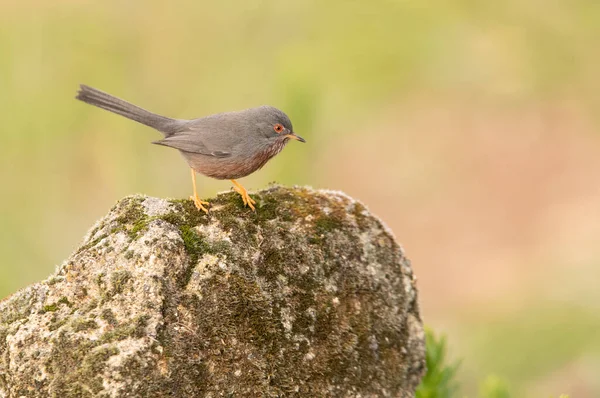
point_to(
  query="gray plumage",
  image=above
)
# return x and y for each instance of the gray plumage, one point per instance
(225, 146)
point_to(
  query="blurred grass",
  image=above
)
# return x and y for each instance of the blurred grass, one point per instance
(333, 66)
(535, 342)
(439, 380)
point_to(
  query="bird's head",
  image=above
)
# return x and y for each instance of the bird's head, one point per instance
(275, 125)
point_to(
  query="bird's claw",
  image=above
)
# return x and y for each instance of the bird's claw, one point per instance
(248, 201)
(200, 204)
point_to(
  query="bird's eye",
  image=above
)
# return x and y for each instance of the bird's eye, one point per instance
(278, 128)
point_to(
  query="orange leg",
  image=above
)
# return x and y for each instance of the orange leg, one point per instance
(248, 201)
(199, 203)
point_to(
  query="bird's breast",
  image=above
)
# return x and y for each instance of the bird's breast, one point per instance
(235, 166)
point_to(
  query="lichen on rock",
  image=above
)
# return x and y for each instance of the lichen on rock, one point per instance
(308, 296)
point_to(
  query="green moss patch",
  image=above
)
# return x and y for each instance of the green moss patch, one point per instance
(82, 325)
(118, 280)
(77, 365)
(133, 329)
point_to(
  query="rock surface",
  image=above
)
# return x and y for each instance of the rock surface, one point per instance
(309, 296)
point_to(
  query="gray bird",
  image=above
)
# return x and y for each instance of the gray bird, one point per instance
(227, 145)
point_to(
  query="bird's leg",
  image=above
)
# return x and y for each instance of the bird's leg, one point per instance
(199, 203)
(248, 201)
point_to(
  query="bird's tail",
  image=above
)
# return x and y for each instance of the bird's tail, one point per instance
(106, 101)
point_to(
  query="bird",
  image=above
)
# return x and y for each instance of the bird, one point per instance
(225, 146)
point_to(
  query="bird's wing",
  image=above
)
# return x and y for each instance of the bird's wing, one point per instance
(192, 142)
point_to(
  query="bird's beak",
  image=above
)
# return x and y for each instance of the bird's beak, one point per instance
(293, 136)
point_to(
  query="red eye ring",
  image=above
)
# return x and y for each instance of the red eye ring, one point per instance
(278, 128)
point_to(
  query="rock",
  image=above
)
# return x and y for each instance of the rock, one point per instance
(308, 296)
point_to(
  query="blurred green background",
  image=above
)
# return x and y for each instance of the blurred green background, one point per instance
(471, 128)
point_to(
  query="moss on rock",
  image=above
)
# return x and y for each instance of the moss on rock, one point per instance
(308, 296)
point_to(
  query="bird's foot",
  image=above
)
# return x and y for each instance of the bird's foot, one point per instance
(200, 203)
(248, 201)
